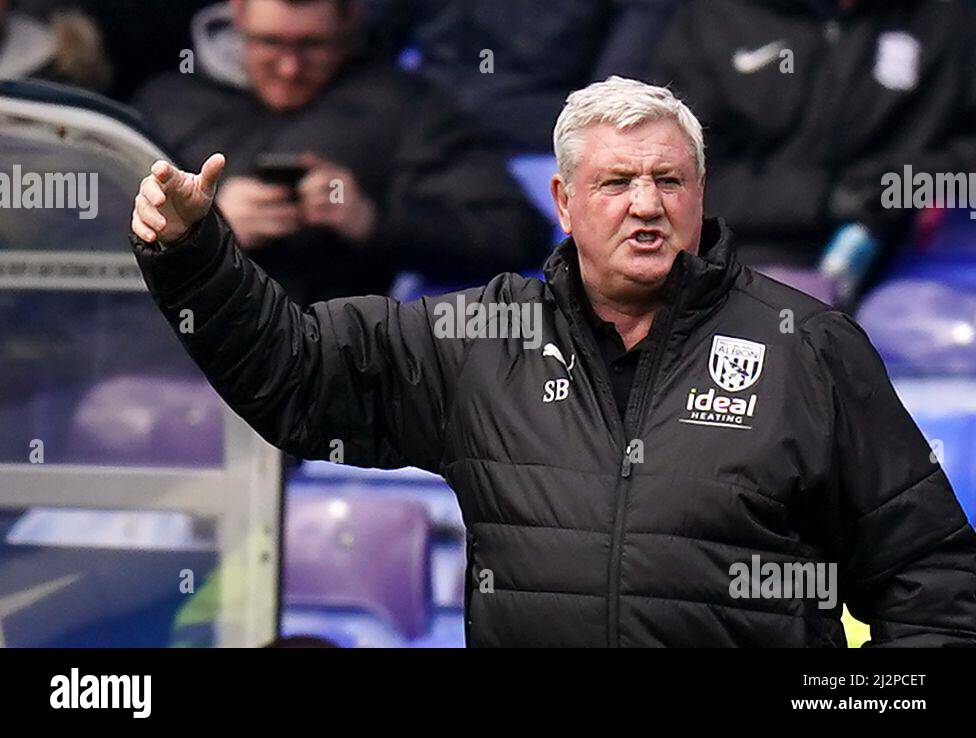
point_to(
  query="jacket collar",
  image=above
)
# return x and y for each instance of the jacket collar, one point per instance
(696, 285)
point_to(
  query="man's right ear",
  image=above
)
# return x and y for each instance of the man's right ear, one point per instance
(560, 196)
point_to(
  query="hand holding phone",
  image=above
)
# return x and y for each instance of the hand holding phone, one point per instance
(330, 197)
(281, 169)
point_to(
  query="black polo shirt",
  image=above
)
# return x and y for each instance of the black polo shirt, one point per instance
(621, 364)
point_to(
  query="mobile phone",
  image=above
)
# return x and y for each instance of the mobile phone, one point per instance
(280, 169)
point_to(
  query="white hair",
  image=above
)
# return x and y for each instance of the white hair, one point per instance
(624, 103)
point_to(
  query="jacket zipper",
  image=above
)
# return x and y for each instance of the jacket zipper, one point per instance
(620, 429)
(635, 408)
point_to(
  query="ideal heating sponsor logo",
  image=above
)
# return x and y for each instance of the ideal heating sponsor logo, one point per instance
(734, 364)
(708, 408)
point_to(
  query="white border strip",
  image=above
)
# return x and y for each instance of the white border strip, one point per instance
(70, 270)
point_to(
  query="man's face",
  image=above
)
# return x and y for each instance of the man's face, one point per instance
(634, 202)
(292, 50)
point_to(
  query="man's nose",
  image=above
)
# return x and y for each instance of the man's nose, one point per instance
(645, 201)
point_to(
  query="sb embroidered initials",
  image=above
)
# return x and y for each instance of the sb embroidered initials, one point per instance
(556, 390)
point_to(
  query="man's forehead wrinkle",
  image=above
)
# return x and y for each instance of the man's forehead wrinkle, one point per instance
(605, 149)
(661, 142)
(643, 163)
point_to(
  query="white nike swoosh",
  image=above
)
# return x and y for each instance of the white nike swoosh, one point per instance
(749, 61)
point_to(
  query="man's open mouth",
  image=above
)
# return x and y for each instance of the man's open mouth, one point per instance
(647, 236)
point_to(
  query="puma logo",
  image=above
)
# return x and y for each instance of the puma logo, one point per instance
(550, 349)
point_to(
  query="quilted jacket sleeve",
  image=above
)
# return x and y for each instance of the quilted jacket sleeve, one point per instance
(367, 371)
(906, 553)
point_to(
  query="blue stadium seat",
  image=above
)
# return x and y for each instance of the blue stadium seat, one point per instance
(321, 478)
(366, 555)
(922, 320)
(922, 326)
(323, 481)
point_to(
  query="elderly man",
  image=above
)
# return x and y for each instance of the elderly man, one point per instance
(697, 456)
(342, 170)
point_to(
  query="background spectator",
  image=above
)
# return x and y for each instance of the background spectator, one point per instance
(421, 189)
(807, 103)
(540, 52)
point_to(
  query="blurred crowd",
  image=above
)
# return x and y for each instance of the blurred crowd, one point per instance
(408, 112)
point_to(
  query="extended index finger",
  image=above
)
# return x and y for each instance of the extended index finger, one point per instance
(165, 173)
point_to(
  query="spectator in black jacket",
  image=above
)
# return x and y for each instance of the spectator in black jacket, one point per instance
(396, 177)
(809, 102)
(540, 51)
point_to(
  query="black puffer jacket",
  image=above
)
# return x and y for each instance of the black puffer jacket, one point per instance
(802, 454)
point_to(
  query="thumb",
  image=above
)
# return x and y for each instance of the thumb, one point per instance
(210, 172)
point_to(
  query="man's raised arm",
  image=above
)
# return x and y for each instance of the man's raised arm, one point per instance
(365, 371)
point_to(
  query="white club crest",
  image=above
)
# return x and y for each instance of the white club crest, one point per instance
(735, 364)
